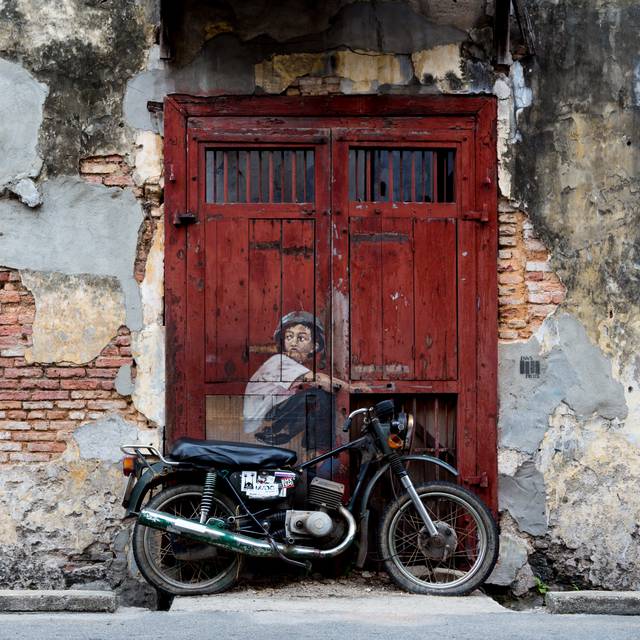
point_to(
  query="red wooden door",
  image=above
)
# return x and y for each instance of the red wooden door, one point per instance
(335, 259)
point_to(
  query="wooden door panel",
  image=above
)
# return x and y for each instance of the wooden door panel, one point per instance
(397, 288)
(403, 299)
(436, 331)
(226, 294)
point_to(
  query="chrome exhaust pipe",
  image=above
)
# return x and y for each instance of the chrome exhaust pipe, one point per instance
(239, 543)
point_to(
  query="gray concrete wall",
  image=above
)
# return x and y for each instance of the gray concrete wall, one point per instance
(74, 218)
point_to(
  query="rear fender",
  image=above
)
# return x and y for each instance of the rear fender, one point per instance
(154, 475)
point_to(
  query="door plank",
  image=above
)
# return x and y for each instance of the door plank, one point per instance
(366, 300)
(397, 299)
(435, 308)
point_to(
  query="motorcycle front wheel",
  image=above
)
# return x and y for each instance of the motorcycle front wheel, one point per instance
(178, 565)
(453, 563)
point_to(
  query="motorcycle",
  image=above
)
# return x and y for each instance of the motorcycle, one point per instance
(214, 503)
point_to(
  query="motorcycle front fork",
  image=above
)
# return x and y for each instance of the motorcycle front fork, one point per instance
(401, 472)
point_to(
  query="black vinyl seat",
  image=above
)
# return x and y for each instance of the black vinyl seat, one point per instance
(231, 455)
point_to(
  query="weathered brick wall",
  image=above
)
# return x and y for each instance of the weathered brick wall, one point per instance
(528, 290)
(41, 404)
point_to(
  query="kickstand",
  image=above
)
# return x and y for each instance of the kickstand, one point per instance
(164, 600)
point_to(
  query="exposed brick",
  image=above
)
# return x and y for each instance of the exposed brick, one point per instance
(50, 395)
(107, 405)
(111, 362)
(10, 404)
(57, 415)
(102, 373)
(95, 165)
(10, 384)
(46, 446)
(28, 457)
(13, 395)
(10, 446)
(77, 415)
(38, 405)
(35, 383)
(9, 296)
(36, 436)
(79, 384)
(16, 414)
(23, 372)
(8, 318)
(64, 372)
(36, 415)
(71, 404)
(5, 435)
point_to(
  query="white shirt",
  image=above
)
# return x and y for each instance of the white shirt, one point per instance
(269, 386)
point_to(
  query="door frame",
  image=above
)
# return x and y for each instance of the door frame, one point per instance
(476, 422)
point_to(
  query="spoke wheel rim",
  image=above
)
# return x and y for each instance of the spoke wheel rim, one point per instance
(396, 551)
(159, 546)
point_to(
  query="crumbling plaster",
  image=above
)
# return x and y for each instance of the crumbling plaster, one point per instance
(61, 523)
(80, 228)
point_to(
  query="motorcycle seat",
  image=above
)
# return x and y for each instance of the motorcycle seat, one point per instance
(231, 455)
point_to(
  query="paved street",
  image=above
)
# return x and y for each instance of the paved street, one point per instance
(279, 615)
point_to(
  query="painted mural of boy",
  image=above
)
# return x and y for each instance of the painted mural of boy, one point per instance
(278, 405)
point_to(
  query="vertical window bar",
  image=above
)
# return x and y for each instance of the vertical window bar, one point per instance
(288, 177)
(210, 176)
(277, 176)
(407, 176)
(270, 154)
(219, 188)
(247, 174)
(254, 170)
(300, 181)
(419, 176)
(412, 159)
(353, 172)
(265, 186)
(368, 175)
(232, 176)
(225, 179)
(395, 175)
(451, 175)
(309, 191)
(361, 176)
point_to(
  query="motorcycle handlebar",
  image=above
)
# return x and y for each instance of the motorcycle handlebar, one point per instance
(347, 423)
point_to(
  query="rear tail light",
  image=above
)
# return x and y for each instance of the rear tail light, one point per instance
(128, 465)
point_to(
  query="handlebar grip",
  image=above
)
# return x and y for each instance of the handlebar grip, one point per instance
(347, 425)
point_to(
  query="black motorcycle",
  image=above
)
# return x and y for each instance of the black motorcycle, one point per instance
(215, 502)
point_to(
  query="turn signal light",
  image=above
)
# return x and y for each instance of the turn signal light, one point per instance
(128, 465)
(395, 441)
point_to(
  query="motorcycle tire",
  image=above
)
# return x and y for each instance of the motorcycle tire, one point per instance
(455, 562)
(180, 566)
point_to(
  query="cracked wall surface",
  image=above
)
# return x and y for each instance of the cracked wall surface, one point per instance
(81, 224)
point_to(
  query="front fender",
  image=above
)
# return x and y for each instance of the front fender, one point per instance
(382, 470)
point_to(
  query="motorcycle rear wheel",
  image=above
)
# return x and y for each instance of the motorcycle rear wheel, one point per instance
(455, 563)
(180, 566)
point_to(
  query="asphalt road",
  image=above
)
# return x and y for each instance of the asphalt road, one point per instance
(305, 618)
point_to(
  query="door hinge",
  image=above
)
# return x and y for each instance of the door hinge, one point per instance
(184, 218)
(478, 216)
(477, 481)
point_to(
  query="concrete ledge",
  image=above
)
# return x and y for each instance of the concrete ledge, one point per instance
(615, 603)
(73, 600)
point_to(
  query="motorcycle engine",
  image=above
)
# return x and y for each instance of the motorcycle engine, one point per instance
(325, 494)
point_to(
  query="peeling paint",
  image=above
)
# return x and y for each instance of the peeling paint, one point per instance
(277, 73)
(437, 65)
(22, 100)
(364, 72)
(76, 316)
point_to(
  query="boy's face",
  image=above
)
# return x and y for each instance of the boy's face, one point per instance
(298, 343)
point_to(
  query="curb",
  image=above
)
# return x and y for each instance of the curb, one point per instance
(72, 600)
(615, 603)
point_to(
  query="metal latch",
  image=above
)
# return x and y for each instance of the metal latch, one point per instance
(478, 216)
(478, 481)
(185, 218)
